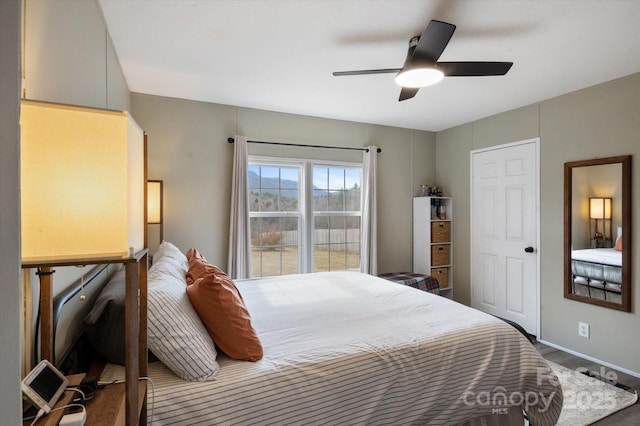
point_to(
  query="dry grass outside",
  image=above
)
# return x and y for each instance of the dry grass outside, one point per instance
(285, 261)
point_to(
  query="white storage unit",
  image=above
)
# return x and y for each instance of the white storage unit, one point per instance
(433, 240)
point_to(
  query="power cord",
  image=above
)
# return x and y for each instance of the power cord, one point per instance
(84, 409)
(47, 410)
(41, 412)
(102, 385)
(74, 389)
(86, 388)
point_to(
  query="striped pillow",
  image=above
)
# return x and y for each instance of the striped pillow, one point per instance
(175, 333)
(169, 259)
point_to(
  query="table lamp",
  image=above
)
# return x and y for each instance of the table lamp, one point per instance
(599, 209)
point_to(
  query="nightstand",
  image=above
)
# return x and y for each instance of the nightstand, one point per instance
(107, 408)
(600, 243)
(132, 410)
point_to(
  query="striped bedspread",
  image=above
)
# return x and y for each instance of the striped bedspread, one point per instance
(344, 348)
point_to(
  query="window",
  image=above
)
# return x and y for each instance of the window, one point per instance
(275, 194)
(304, 216)
(336, 218)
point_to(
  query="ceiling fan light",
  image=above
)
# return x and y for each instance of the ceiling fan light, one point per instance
(419, 77)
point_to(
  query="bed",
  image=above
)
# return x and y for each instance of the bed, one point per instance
(597, 273)
(347, 348)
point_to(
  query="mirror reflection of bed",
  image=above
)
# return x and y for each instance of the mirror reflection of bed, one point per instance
(597, 273)
(597, 219)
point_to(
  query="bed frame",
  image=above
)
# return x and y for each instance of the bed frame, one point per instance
(596, 280)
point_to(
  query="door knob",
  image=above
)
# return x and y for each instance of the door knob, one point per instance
(529, 249)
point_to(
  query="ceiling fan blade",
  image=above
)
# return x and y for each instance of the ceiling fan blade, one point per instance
(364, 72)
(473, 69)
(408, 93)
(433, 41)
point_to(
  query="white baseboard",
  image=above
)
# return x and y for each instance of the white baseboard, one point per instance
(590, 358)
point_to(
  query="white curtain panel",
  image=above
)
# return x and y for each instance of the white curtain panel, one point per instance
(369, 237)
(239, 235)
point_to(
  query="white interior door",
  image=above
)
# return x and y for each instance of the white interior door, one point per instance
(504, 232)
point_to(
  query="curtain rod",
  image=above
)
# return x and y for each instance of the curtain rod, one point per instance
(231, 140)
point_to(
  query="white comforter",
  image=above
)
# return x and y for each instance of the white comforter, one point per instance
(344, 348)
(604, 256)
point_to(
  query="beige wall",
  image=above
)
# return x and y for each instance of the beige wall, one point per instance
(188, 150)
(10, 295)
(69, 57)
(600, 121)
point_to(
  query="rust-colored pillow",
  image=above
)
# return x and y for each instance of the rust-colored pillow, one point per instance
(198, 266)
(618, 245)
(222, 310)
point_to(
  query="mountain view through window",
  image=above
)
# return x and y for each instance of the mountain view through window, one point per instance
(296, 229)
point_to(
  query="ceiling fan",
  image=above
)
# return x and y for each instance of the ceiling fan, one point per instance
(421, 68)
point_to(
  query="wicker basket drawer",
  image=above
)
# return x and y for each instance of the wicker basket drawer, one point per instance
(442, 275)
(440, 232)
(440, 254)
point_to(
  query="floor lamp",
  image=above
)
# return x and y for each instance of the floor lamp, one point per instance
(82, 203)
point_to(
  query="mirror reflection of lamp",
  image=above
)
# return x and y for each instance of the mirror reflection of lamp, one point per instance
(599, 209)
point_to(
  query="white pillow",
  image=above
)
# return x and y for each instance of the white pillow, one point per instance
(619, 232)
(175, 333)
(167, 249)
(165, 267)
(168, 260)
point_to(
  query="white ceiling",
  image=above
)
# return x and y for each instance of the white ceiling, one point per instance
(278, 55)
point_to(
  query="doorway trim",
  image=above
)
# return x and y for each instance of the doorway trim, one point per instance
(536, 142)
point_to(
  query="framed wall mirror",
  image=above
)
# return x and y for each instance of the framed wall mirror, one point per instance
(597, 231)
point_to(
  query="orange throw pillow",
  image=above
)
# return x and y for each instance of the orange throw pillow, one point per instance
(619, 243)
(222, 310)
(198, 266)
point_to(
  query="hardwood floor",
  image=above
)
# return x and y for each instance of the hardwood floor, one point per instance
(630, 416)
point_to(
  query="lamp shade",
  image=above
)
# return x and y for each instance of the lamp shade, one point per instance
(154, 201)
(599, 208)
(82, 182)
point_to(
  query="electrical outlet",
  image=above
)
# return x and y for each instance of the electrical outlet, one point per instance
(583, 329)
